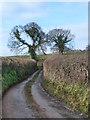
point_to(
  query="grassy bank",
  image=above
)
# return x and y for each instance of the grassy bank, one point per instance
(27, 88)
(74, 95)
(40, 56)
(66, 77)
(15, 70)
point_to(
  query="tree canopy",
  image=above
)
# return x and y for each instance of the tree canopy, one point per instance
(36, 35)
(59, 38)
(38, 40)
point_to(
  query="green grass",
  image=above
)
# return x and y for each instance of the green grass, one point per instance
(40, 56)
(12, 77)
(28, 95)
(22, 56)
(27, 88)
(43, 57)
(74, 95)
(14, 72)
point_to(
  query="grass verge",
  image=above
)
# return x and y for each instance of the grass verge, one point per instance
(27, 88)
(15, 71)
(29, 98)
(75, 96)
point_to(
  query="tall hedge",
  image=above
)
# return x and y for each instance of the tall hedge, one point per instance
(15, 70)
(66, 77)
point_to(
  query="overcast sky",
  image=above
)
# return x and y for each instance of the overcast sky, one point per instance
(49, 15)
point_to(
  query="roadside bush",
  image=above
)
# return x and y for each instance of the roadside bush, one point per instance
(15, 70)
(71, 68)
(74, 95)
(66, 77)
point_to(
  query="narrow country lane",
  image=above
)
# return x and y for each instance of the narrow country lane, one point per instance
(48, 105)
(14, 103)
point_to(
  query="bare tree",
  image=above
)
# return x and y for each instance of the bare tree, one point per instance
(36, 35)
(59, 38)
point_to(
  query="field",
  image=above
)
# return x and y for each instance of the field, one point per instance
(40, 56)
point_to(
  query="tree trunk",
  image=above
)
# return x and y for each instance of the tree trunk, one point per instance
(61, 49)
(32, 52)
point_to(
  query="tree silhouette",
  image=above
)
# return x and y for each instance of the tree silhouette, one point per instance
(37, 39)
(59, 38)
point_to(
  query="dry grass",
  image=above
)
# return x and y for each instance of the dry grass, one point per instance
(66, 77)
(73, 67)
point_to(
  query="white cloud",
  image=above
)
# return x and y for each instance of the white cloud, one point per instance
(28, 15)
(21, 11)
(5, 52)
(0, 14)
(18, 7)
(81, 34)
(45, 0)
(4, 35)
(0, 27)
(33, 10)
(29, 5)
(0, 33)
(80, 30)
(0, 40)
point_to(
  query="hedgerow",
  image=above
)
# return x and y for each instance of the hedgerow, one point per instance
(66, 77)
(15, 70)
